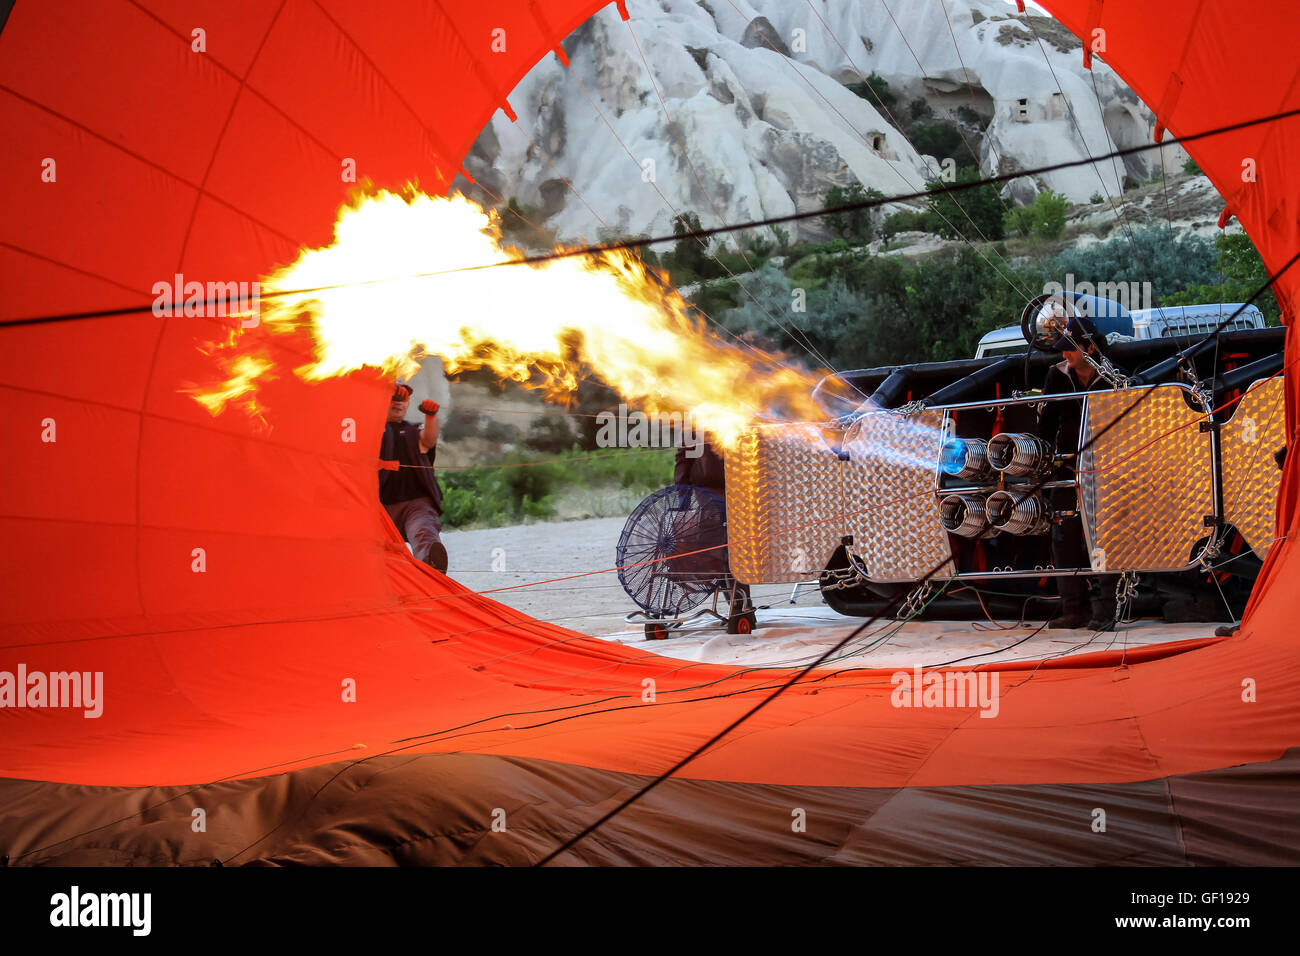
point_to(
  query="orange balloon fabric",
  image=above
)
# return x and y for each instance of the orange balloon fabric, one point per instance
(233, 578)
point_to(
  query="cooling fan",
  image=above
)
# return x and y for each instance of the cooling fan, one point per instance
(672, 553)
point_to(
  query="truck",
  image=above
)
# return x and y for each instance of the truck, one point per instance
(1170, 322)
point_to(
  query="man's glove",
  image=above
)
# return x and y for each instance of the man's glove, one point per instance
(429, 407)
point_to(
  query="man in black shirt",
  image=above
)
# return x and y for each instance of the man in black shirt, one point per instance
(1058, 423)
(411, 494)
(704, 469)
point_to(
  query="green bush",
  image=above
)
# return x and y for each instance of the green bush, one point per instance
(459, 505)
(545, 508)
(866, 310)
(1049, 214)
(906, 221)
(528, 486)
(717, 296)
(732, 262)
(757, 246)
(1043, 219)
(1019, 220)
(817, 264)
(1142, 255)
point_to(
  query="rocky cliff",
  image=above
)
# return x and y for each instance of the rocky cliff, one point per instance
(741, 109)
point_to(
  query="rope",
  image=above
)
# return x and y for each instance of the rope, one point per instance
(703, 245)
(763, 35)
(639, 243)
(642, 791)
(1083, 141)
(812, 350)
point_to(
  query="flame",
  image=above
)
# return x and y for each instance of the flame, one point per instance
(245, 371)
(403, 279)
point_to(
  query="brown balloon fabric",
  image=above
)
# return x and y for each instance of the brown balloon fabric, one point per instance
(449, 809)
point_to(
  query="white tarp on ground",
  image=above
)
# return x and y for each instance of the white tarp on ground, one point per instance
(787, 635)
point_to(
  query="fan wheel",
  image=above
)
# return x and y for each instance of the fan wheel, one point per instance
(742, 623)
(656, 631)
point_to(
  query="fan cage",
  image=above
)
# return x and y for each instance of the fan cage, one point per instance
(672, 554)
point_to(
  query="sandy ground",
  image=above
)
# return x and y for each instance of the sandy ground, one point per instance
(594, 604)
(787, 635)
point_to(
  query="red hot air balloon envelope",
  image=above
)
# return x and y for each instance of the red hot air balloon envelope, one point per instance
(130, 156)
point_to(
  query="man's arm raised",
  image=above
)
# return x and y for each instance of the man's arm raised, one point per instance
(429, 433)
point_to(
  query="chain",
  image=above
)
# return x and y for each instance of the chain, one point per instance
(1118, 378)
(915, 602)
(1204, 392)
(1213, 548)
(852, 576)
(835, 580)
(1106, 369)
(1125, 588)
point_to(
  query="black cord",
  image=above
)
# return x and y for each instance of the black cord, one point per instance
(705, 233)
(695, 753)
(997, 650)
(781, 688)
(593, 827)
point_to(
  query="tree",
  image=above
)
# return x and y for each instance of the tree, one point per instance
(852, 224)
(757, 246)
(521, 223)
(764, 305)
(780, 240)
(972, 118)
(928, 310)
(551, 433)
(690, 259)
(1242, 271)
(714, 297)
(876, 91)
(1143, 255)
(906, 221)
(942, 140)
(959, 214)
